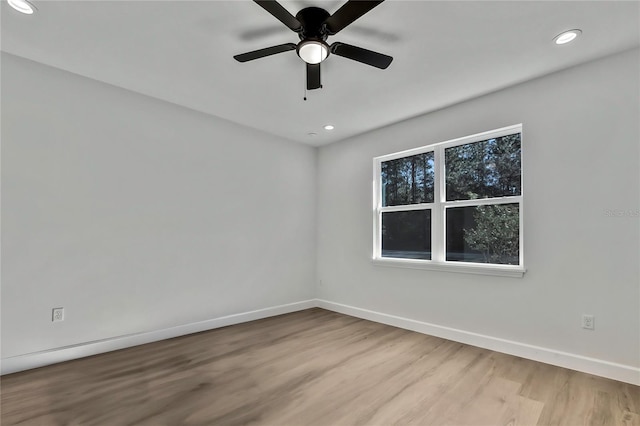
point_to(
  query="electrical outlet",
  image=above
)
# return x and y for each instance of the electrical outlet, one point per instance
(57, 314)
(588, 322)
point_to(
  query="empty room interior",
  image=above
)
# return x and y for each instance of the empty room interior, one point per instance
(320, 212)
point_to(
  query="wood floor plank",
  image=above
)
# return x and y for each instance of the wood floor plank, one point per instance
(312, 367)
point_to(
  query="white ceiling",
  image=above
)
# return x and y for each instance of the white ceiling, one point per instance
(444, 52)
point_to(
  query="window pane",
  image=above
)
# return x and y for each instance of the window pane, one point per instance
(484, 234)
(408, 180)
(407, 234)
(483, 169)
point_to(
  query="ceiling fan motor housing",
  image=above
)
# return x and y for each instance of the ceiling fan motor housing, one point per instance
(313, 26)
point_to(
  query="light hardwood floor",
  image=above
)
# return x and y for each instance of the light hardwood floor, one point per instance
(313, 367)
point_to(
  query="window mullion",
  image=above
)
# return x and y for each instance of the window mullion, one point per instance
(407, 207)
(377, 215)
(484, 201)
(437, 214)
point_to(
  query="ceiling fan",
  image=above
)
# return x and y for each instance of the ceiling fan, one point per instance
(314, 25)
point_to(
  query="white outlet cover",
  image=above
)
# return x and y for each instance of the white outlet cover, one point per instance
(57, 314)
(588, 322)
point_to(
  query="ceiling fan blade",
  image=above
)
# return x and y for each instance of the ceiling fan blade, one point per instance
(280, 13)
(313, 76)
(349, 12)
(359, 54)
(261, 53)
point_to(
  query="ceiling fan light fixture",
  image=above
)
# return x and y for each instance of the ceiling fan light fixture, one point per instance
(313, 51)
(22, 6)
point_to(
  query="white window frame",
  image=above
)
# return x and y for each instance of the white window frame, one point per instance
(439, 207)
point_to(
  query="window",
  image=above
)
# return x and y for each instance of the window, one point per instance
(454, 205)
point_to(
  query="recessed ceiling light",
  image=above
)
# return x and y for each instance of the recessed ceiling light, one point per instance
(22, 6)
(312, 134)
(329, 127)
(567, 36)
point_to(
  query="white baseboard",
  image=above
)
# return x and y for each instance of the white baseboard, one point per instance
(67, 353)
(598, 367)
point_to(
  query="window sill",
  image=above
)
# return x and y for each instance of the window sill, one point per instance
(464, 268)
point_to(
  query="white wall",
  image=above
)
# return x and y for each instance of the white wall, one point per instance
(136, 215)
(581, 157)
